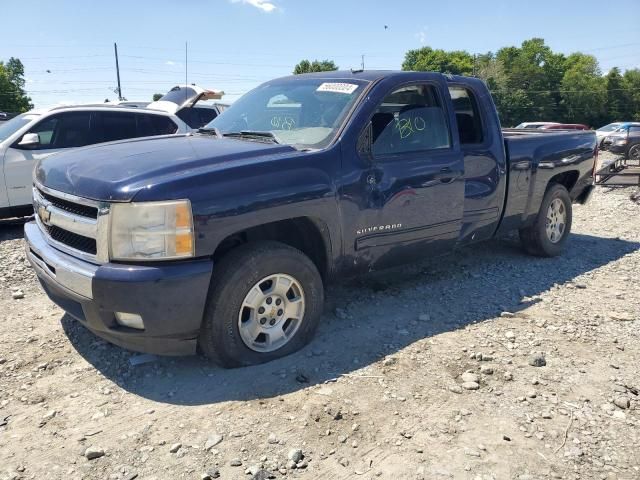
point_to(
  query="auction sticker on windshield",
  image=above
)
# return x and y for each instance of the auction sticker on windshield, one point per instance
(337, 87)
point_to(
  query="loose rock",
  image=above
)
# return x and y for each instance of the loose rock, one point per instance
(93, 452)
(537, 360)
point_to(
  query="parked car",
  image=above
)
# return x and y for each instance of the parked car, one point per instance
(625, 142)
(225, 239)
(189, 102)
(535, 124)
(565, 126)
(3, 116)
(40, 133)
(604, 132)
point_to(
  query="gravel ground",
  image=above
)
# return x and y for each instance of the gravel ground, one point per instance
(486, 364)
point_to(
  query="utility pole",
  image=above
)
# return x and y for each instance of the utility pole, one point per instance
(362, 61)
(115, 47)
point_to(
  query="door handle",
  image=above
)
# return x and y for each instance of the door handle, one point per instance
(447, 175)
(447, 180)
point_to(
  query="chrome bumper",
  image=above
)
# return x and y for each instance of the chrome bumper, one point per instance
(54, 266)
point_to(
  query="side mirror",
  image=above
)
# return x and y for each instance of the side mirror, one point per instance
(364, 146)
(30, 140)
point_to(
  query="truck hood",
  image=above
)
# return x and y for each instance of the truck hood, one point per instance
(117, 171)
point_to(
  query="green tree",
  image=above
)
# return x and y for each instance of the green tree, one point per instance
(13, 98)
(617, 95)
(157, 96)
(533, 73)
(305, 66)
(583, 91)
(632, 84)
(533, 83)
(456, 62)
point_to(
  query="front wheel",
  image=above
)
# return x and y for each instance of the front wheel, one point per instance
(548, 234)
(265, 302)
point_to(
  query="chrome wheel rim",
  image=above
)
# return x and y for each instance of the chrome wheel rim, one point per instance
(556, 220)
(271, 313)
(634, 152)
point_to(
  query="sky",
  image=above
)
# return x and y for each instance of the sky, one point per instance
(234, 45)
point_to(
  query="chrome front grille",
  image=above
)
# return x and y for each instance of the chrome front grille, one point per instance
(74, 225)
(75, 208)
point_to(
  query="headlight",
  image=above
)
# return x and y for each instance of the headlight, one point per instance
(151, 230)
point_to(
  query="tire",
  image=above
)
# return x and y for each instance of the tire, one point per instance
(229, 324)
(633, 152)
(536, 239)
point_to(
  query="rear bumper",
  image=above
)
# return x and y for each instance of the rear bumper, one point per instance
(170, 298)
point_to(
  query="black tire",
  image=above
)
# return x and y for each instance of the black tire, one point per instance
(633, 152)
(220, 338)
(534, 238)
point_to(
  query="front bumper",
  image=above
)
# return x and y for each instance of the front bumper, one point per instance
(170, 298)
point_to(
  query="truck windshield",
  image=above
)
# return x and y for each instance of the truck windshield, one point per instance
(303, 113)
(10, 127)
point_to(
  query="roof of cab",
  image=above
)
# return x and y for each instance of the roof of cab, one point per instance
(374, 75)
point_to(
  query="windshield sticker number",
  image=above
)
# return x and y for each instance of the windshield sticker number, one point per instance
(347, 88)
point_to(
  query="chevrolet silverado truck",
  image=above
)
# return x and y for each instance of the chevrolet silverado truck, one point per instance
(222, 241)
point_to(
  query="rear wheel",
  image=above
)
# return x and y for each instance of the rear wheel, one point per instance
(548, 233)
(265, 302)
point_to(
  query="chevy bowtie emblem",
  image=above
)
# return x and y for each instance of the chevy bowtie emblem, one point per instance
(44, 214)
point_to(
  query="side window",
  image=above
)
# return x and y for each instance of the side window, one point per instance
(635, 130)
(197, 117)
(72, 130)
(467, 115)
(150, 125)
(45, 130)
(409, 119)
(117, 126)
(206, 115)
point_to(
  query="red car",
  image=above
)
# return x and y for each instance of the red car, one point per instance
(565, 126)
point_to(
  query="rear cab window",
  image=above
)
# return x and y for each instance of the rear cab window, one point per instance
(468, 117)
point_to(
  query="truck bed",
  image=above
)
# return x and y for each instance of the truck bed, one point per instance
(536, 156)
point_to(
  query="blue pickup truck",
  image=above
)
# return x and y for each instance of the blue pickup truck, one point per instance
(222, 241)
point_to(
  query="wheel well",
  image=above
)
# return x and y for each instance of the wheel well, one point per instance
(568, 179)
(308, 235)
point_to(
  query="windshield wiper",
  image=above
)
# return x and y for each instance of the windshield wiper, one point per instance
(252, 134)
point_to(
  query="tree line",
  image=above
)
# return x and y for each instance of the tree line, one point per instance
(533, 83)
(13, 98)
(528, 83)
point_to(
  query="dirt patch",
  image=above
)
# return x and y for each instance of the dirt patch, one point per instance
(380, 393)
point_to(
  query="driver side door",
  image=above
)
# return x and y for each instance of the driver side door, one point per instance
(413, 188)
